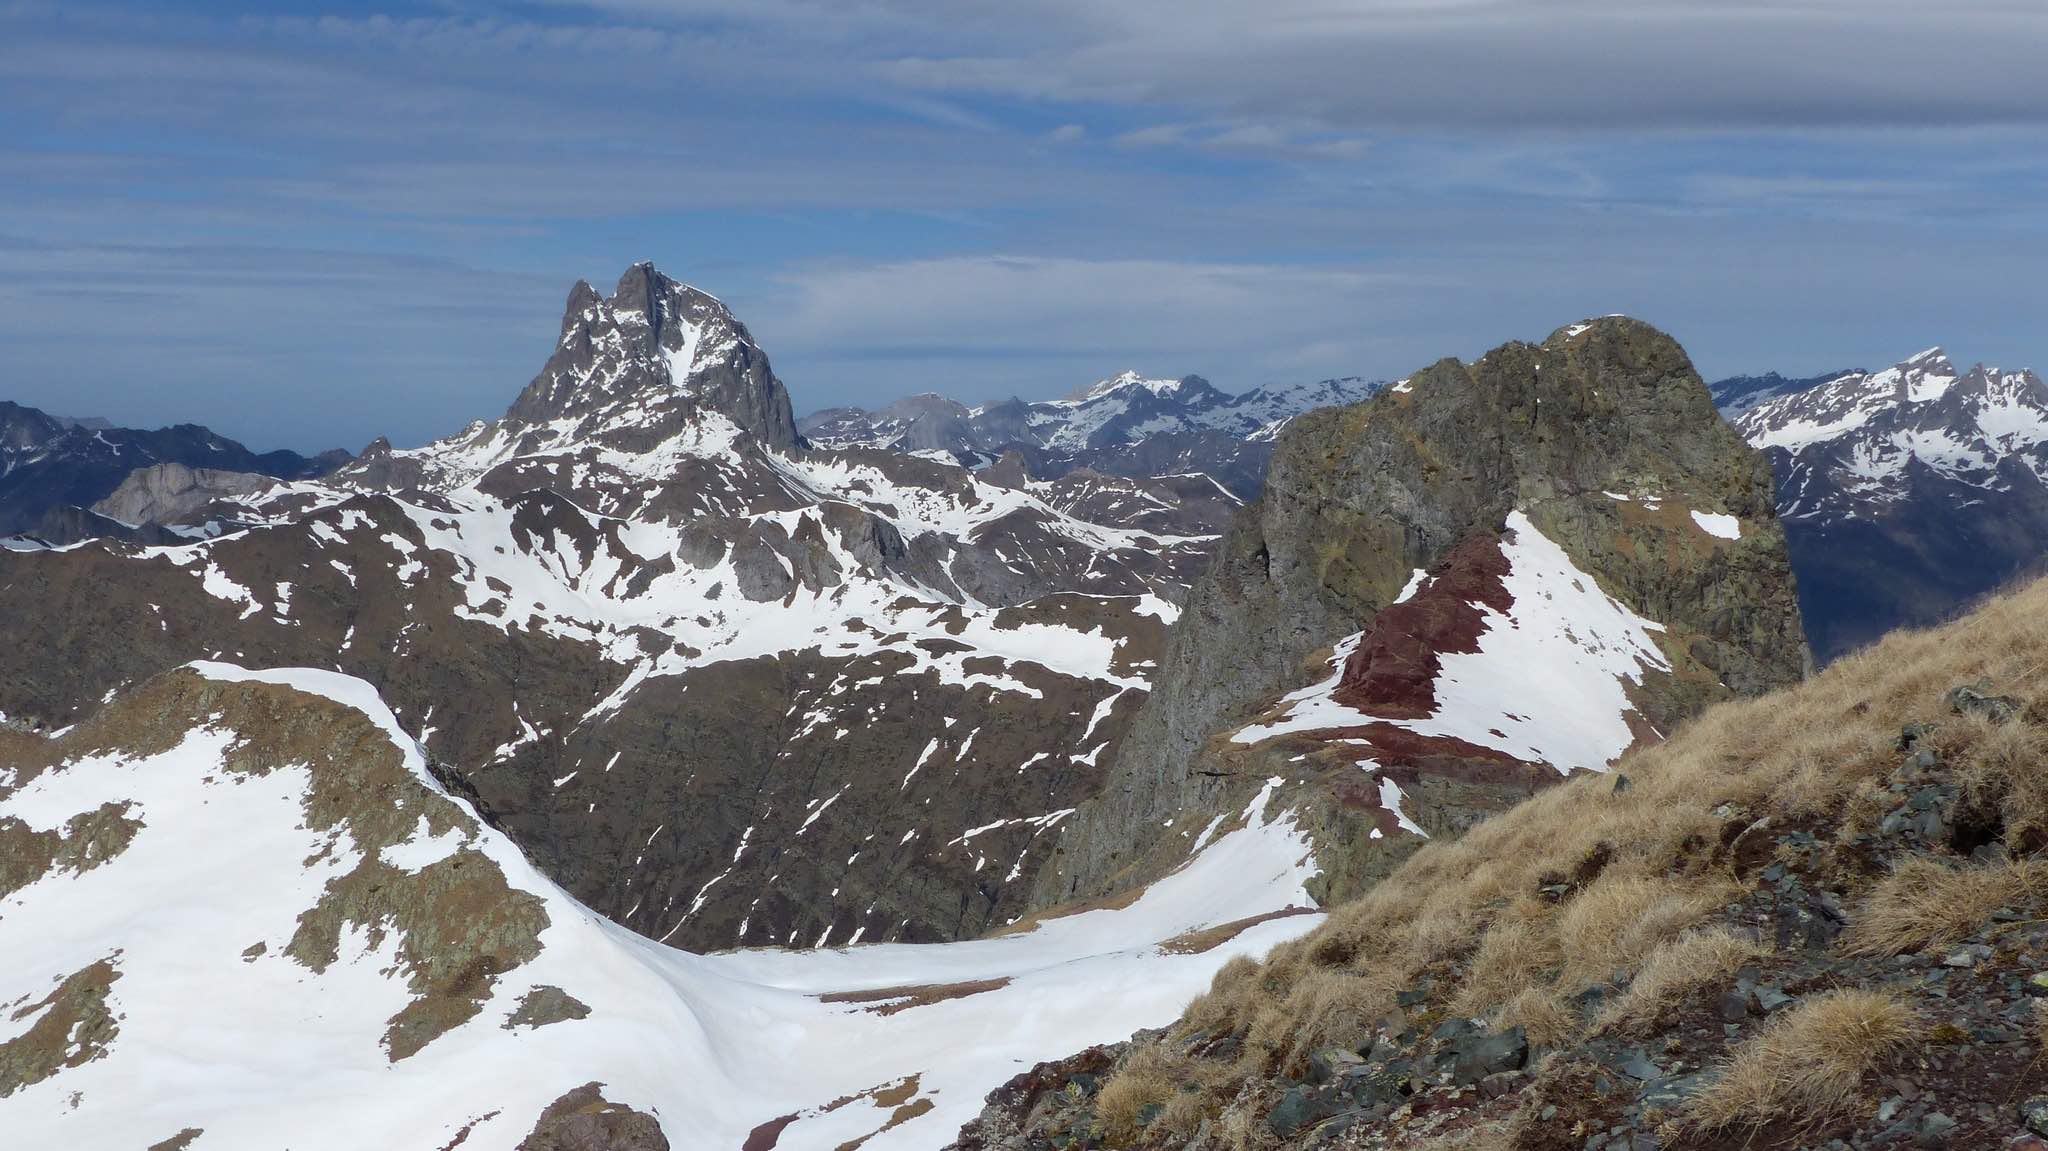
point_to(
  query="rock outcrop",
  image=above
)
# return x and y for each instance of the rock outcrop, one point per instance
(172, 492)
(1599, 454)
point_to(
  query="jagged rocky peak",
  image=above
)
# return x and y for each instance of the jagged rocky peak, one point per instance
(650, 340)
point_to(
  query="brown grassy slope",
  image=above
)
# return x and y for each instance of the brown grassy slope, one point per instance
(1594, 885)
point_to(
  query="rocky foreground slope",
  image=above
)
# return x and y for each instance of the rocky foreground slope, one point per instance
(1447, 597)
(1906, 493)
(1818, 919)
(725, 687)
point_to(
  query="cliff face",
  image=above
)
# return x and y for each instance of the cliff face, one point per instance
(1495, 491)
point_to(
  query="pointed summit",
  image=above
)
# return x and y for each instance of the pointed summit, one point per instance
(651, 340)
(1918, 379)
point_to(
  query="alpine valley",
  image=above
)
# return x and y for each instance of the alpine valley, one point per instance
(649, 768)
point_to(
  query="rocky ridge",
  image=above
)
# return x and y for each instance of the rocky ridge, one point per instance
(1358, 641)
(51, 468)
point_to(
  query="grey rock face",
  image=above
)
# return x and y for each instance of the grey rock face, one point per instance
(171, 492)
(655, 334)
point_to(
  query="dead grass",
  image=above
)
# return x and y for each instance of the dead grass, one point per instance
(1159, 1095)
(2002, 771)
(1934, 903)
(1674, 971)
(1513, 957)
(1618, 923)
(1544, 1018)
(1325, 1008)
(1808, 1064)
(1210, 938)
(1120, 1109)
(1645, 874)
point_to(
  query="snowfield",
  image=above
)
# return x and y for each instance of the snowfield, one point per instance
(255, 1050)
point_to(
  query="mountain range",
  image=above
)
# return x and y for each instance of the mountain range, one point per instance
(645, 767)
(53, 470)
(1906, 493)
(1124, 425)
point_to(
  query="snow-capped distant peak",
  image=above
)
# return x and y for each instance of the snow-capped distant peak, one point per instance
(1856, 440)
(1124, 380)
(1921, 379)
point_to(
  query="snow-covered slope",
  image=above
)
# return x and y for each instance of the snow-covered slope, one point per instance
(1533, 608)
(728, 688)
(1127, 424)
(1905, 491)
(240, 913)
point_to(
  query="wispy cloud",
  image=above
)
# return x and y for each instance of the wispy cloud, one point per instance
(360, 220)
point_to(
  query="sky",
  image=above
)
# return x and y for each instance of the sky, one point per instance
(307, 225)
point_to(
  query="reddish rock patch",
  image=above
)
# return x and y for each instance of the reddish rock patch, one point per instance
(1393, 672)
(890, 1000)
(1210, 938)
(764, 1137)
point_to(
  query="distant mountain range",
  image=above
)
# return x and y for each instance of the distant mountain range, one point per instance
(1906, 493)
(1125, 425)
(54, 468)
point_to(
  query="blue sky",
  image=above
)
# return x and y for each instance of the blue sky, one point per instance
(310, 224)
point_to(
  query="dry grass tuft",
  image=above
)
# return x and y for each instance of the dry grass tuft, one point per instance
(1674, 971)
(1325, 1009)
(1929, 903)
(1546, 1019)
(1616, 924)
(1157, 1094)
(1808, 1063)
(1513, 957)
(1120, 1108)
(2002, 772)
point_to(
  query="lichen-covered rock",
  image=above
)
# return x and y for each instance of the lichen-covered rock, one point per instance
(70, 1026)
(584, 1120)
